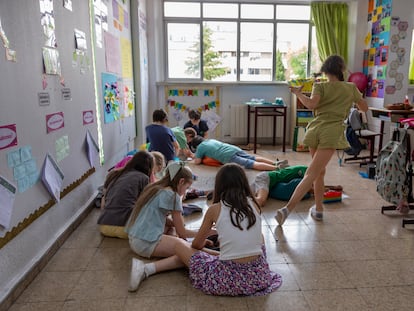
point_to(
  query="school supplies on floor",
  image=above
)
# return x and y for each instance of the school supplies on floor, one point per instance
(332, 196)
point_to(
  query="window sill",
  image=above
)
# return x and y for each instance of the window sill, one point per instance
(221, 83)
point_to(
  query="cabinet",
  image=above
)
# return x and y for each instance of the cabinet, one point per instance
(302, 114)
(300, 118)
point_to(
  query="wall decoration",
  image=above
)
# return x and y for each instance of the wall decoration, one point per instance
(191, 92)
(111, 97)
(398, 55)
(112, 53)
(91, 148)
(126, 58)
(87, 117)
(8, 136)
(128, 100)
(80, 40)
(47, 20)
(7, 195)
(24, 167)
(67, 4)
(206, 100)
(54, 121)
(62, 148)
(11, 55)
(51, 61)
(180, 106)
(376, 53)
(52, 177)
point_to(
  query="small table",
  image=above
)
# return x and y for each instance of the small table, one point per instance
(389, 115)
(266, 110)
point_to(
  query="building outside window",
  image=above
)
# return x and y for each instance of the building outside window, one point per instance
(233, 41)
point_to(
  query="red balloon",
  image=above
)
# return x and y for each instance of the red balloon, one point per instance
(360, 80)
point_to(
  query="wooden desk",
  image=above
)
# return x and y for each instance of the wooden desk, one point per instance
(389, 115)
(266, 110)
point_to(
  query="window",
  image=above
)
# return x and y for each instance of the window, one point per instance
(234, 41)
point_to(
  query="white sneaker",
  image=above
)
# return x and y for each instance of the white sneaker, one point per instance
(137, 274)
(281, 215)
(282, 164)
(317, 215)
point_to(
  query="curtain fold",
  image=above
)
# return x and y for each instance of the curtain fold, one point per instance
(331, 25)
(411, 70)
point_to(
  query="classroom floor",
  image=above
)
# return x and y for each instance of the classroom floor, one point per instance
(356, 259)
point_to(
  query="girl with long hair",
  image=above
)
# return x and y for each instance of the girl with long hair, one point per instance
(122, 188)
(147, 223)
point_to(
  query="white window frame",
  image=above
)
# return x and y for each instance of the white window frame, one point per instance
(200, 20)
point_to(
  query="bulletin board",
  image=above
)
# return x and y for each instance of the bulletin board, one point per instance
(179, 100)
(57, 79)
(376, 54)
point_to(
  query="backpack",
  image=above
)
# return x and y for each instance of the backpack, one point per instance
(391, 168)
(354, 124)
(354, 142)
(354, 120)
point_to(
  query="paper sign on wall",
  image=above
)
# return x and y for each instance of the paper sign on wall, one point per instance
(52, 177)
(54, 121)
(8, 136)
(7, 195)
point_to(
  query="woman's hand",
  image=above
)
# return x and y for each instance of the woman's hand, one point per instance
(296, 90)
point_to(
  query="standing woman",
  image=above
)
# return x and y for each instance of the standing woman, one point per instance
(331, 102)
(121, 190)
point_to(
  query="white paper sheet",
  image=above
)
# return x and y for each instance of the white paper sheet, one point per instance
(7, 195)
(52, 177)
(92, 148)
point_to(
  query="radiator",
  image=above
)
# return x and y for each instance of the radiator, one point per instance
(238, 124)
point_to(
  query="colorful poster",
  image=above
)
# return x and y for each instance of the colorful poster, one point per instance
(375, 63)
(8, 136)
(111, 98)
(384, 55)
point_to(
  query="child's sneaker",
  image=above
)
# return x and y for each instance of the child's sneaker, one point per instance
(317, 215)
(281, 164)
(137, 274)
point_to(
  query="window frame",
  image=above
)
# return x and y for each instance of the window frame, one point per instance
(200, 21)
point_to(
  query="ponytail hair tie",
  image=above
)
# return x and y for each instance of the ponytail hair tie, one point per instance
(174, 167)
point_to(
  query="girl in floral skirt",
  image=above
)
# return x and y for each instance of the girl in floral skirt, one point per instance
(240, 268)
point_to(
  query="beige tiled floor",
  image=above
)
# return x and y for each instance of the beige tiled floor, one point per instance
(357, 259)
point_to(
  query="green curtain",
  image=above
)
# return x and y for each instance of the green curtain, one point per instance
(411, 70)
(331, 24)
